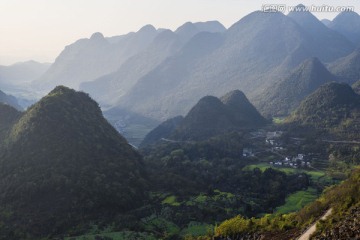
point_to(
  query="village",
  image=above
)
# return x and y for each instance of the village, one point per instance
(270, 147)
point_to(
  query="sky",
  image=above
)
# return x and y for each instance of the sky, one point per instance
(40, 29)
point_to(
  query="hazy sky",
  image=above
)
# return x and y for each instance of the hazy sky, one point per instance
(40, 29)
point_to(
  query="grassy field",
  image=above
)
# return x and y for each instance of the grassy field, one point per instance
(171, 200)
(315, 175)
(279, 120)
(298, 200)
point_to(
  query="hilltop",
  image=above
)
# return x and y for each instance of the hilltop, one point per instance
(211, 116)
(64, 167)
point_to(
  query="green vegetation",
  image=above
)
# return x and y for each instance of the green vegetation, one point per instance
(297, 201)
(342, 199)
(197, 229)
(315, 175)
(278, 120)
(333, 108)
(161, 225)
(205, 180)
(345, 202)
(63, 157)
(171, 200)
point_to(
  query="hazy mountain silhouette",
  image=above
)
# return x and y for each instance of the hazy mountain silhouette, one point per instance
(9, 100)
(347, 69)
(189, 29)
(326, 22)
(88, 59)
(107, 89)
(348, 24)
(250, 55)
(283, 97)
(328, 45)
(167, 77)
(21, 73)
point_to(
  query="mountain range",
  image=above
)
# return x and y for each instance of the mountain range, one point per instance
(157, 74)
(160, 73)
(88, 59)
(108, 89)
(249, 56)
(21, 73)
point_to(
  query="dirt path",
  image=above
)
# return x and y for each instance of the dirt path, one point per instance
(306, 235)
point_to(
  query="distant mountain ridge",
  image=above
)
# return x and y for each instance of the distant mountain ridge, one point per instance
(160, 74)
(109, 88)
(21, 73)
(252, 55)
(189, 29)
(88, 59)
(9, 100)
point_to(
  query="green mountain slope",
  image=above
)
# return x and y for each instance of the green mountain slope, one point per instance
(8, 117)
(333, 105)
(212, 116)
(242, 112)
(64, 167)
(207, 118)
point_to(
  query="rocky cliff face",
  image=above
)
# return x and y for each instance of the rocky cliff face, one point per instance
(349, 228)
